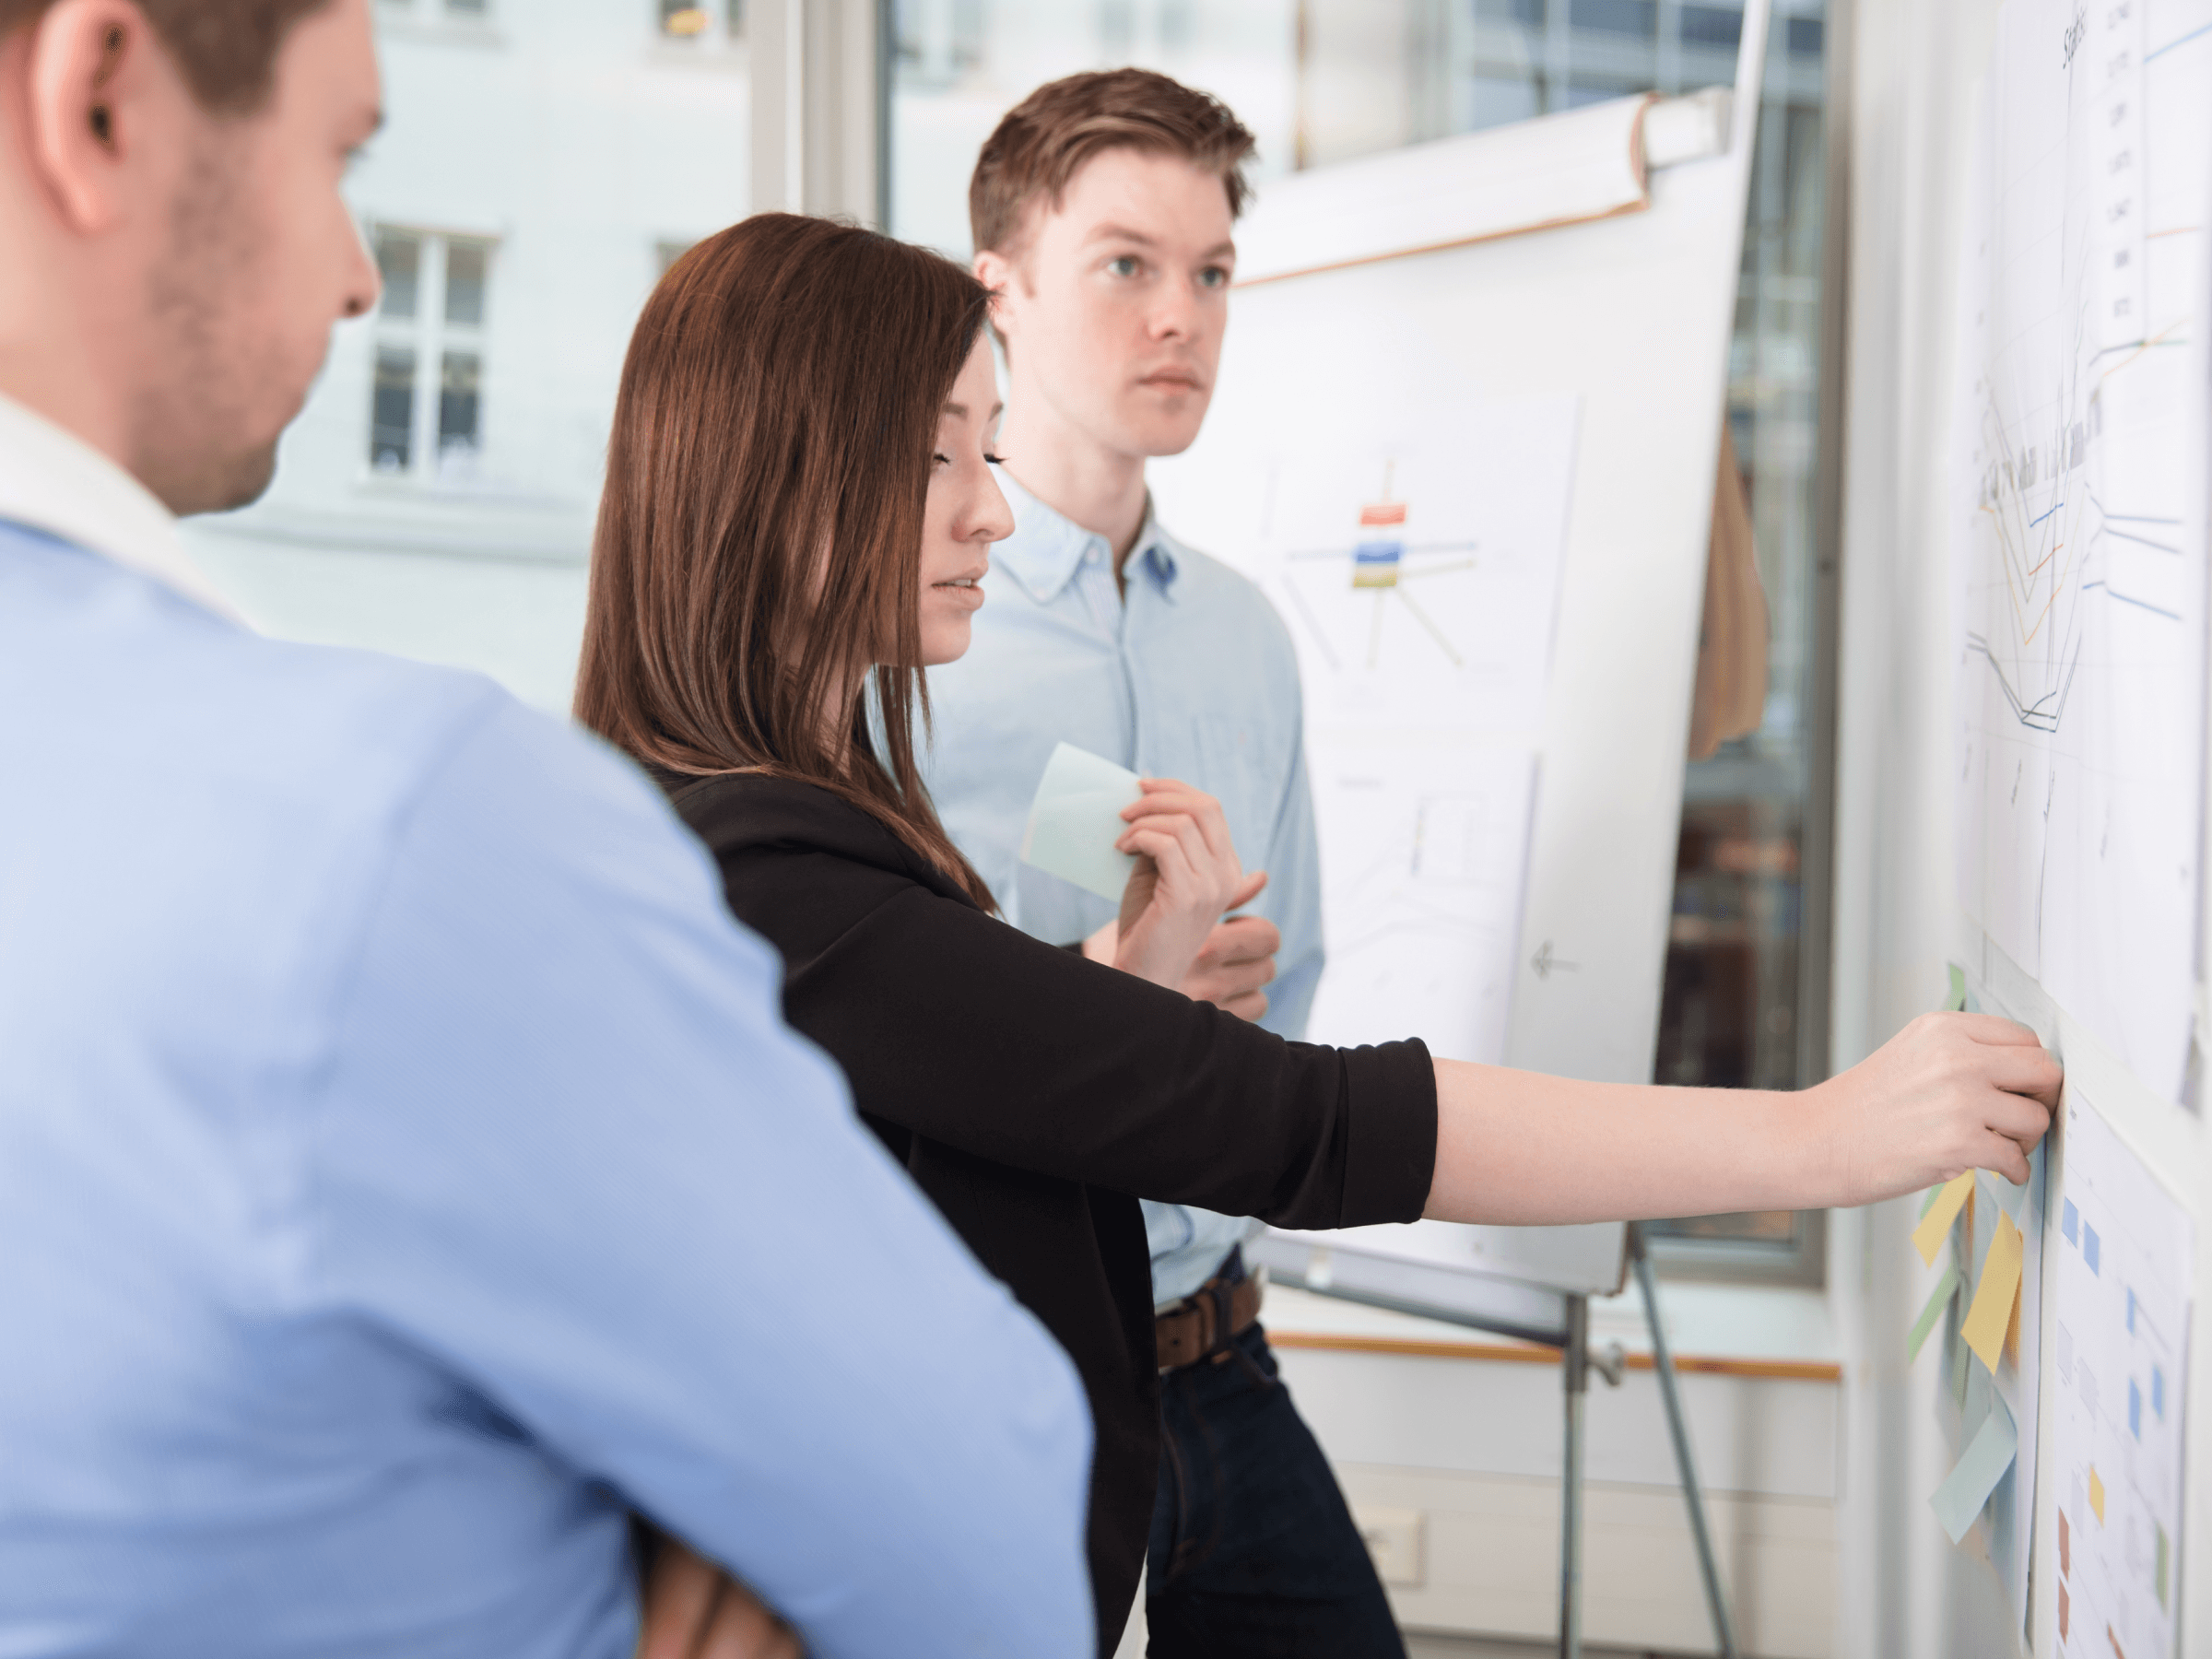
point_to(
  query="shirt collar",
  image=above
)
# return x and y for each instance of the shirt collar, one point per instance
(1047, 547)
(53, 480)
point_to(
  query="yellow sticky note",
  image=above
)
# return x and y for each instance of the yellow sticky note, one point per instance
(1992, 1311)
(2095, 1495)
(1927, 1238)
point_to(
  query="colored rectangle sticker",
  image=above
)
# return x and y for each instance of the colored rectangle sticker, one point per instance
(1991, 1314)
(1927, 1238)
(2095, 1495)
(1966, 1487)
(1076, 819)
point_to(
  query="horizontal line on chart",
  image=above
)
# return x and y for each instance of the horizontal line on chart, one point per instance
(2176, 230)
(2128, 599)
(2140, 540)
(2183, 40)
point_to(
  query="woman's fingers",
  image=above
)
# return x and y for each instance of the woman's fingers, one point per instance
(2004, 1156)
(1991, 1029)
(1170, 795)
(1251, 889)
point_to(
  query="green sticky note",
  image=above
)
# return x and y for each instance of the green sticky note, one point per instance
(1956, 1004)
(1966, 1487)
(1955, 1355)
(1945, 1288)
(1076, 819)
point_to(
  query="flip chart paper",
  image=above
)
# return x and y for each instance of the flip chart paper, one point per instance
(1966, 1487)
(1076, 819)
(1927, 1238)
(1945, 1288)
(1991, 1310)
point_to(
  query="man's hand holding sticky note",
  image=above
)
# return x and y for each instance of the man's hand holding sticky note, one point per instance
(1076, 818)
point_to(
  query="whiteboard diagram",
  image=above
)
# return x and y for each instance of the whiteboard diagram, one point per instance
(2079, 544)
(1423, 849)
(1416, 565)
(2125, 1249)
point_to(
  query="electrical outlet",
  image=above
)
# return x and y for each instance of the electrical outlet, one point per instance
(1394, 1537)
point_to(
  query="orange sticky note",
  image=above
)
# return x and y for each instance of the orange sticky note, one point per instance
(2095, 1495)
(1927, 1238)
(1992, 1311)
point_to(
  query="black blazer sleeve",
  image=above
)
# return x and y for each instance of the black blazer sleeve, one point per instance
(961, 1027)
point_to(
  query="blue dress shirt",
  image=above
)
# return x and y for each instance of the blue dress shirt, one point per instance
(405, 1170)
(1190, 675)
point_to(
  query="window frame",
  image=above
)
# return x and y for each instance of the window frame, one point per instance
(431, 336)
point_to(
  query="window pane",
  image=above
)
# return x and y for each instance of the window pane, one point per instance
(392, 409)
(399, 262)
(464, 282)
(457, 404)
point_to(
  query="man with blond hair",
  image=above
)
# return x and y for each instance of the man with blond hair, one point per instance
(1103, 211)
(405, 1170)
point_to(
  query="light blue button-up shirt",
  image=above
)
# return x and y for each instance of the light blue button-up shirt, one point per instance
(1190, 674)
(405, 1170)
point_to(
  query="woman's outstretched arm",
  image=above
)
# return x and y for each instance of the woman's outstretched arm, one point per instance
(1949, 1092)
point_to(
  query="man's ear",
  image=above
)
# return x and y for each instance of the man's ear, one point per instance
(93, 64)
(995, 272)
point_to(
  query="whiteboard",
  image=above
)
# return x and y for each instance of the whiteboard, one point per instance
(1628, 314)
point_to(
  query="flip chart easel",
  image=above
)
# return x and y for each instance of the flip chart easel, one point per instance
(1528, 263)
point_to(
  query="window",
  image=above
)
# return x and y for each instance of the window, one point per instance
(426, 398)
(1319, 81)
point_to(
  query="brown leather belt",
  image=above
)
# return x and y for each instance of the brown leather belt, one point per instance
(1202, 1324)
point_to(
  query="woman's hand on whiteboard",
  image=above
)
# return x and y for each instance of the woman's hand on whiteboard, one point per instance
(1948, 1093)
(1187, 874)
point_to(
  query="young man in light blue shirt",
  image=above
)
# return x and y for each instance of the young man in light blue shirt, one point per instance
(405, 1170)
(1103, 208)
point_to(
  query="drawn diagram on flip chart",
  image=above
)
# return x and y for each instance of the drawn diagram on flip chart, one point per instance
(1423, 849)
(1416, 565)
(2080, 480)
(2125, 1249)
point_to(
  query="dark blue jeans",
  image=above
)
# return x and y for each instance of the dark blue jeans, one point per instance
(1254, 1554)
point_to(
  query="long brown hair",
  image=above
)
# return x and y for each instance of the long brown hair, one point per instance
(761, 536)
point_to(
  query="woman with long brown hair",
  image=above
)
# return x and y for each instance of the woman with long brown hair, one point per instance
(798, 504)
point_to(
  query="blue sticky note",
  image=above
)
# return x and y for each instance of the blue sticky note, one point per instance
(1966, 1487)
(1076, 819)
(2089, 1246)
(2158, 1392)
(2070, 1224)
(2134, 1409)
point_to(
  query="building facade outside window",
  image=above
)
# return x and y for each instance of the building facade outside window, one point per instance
(437, 494)
(1320, 81)
(426, 407)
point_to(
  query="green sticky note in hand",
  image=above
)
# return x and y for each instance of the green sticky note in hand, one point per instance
(1076, 819)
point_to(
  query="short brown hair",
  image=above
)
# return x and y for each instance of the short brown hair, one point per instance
(781, 397)
(226, 50)
(1044, 140)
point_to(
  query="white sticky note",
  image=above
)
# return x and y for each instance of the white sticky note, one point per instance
(1076, 819)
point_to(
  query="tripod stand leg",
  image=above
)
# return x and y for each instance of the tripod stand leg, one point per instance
(1575, 1374)
(1663, 1363)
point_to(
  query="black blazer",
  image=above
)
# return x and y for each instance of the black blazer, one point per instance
(1036, 1096)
